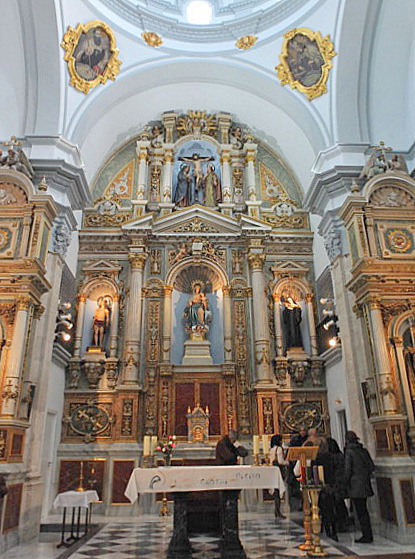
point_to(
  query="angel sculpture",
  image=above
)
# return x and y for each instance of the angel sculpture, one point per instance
(376, 165)
(18, 161)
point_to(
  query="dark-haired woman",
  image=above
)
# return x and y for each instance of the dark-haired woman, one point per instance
(277, 458)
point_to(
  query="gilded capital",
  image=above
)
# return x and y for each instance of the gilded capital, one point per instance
(276, 297)
(373, 303)
(250, 157)
(397, 341)
(226, 290)
(23, 303)
(167, 289)
(39, 310)
(116, 298)
(358, 310)
(309, 298)
(82, 297)
(256, 260)
(137, 260)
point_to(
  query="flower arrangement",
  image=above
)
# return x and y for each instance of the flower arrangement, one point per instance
(167, 448)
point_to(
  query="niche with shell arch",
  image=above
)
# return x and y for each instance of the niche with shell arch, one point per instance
(97, 291)
(212, 278)
(297, 289)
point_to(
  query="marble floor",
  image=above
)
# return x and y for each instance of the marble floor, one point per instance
(148, 536)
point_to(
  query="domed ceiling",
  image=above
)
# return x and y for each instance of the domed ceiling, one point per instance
(230, 18)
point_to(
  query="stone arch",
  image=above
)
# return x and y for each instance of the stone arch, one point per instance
(294, 285)
(391, 181)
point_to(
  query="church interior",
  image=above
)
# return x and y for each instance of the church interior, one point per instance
(207, 224)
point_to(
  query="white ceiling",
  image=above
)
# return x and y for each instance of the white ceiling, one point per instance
(370, 90)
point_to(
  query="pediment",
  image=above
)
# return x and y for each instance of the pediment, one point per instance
(143, 223)
(196, 220)
(252, 225)
(289, 267)
(101, 266)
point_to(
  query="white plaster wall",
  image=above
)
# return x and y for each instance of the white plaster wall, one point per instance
(320, 258)
(337, 396)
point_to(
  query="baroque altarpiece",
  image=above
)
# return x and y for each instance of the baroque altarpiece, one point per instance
(195, 287)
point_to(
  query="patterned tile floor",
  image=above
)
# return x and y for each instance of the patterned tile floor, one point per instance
(148, 537)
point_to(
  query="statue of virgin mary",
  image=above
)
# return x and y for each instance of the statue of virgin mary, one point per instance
(197, 314)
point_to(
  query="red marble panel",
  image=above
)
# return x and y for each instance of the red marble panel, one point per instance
(184, 397)
(386, 500)
(120, 476)
(93, 475)
(12, 510)
(209, 396)
(17, 444)
(408, 499)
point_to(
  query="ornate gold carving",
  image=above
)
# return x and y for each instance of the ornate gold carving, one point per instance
(246, 42)
(82, 297)
(96, 220)
(268, 415)
(229, 400)
(155, 261)
(392, 197)
(137, 261)
(152, 39)
(168, 290)
(12, 194)
(155, 183)
(256, 260)
(11, 390)
(127, 417)
(197, 122)
(23, 303)
(153, 331)
(70, 43)
(317, 53)
(243, 402)
(389, 310)
(3, 443)
(39, 310)
(196, 226)
(302, 414)
(164, 400)
(240, 327)
(294, 221)
(8, 312)
(150, 402)
(237, 262)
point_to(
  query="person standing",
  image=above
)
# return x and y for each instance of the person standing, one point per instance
(277, 458)
(226, 451)
(293, 485)
(359, 467)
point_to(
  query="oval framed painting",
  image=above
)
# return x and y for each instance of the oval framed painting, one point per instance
(91, 54)
(306, 61)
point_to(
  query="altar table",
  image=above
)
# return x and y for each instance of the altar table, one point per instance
(178, 479)
(75, 500)
(181, 480)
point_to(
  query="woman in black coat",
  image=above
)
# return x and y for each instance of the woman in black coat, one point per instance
(358, 470)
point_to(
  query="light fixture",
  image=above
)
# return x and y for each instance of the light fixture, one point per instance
(334, 341)
(199, 12)
(327, 325)
(328, 312)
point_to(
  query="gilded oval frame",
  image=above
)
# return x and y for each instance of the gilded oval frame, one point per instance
(326, 51)
(70, 43)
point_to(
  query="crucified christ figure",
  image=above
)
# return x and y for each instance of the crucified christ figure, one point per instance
(197, 173)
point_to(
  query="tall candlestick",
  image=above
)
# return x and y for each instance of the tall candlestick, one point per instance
(265, 444)
(146, 445)
(321, 474)
(256, 444)
(153, 444)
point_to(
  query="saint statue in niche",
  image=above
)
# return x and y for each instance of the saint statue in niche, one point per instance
(196, 314)
(183, 192)
(291, 316)
(100, 322)
(211, 183)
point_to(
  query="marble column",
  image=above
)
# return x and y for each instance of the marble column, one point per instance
(226, 177)
(133, 324)
(167, 308)
(142, 173)
(260, 317)
(311, 324)
(383, 369)
(113, 338)
(227, 323)
(79, 324)
(278, 327)
(406, 391)
(167, 182)
(12, 381)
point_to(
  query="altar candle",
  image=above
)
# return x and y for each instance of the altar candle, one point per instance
(256, 445)
(146, 445)
(321, 474)
(265, 444)
(153, 444)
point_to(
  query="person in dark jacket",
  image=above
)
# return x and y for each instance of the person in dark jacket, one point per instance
(226, 451)
(358, 470)
(339, 488)
(293, 485)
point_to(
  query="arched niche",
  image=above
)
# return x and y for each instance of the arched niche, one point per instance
(212, 278)
(299, 290)
(99, 289)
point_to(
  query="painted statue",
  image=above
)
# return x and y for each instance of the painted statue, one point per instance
(291, 316)
(183, 193)
(196, 314)
(196, 162)
(211, 183)
(100, 322)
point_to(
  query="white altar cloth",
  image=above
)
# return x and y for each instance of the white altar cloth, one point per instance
(202, 478)
(75, 499)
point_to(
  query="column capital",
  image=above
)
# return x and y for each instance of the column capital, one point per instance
(397, 341)
(256, 260)
(309, 298)
(39, 310)
(82, 297)
(23, 303)
(373, 303)
(137, 260)
(226, 290)
(358, 310)
(116, 298)
(167, 289)
(276, 297)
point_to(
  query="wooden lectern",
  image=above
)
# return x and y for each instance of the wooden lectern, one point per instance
(302, 454)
